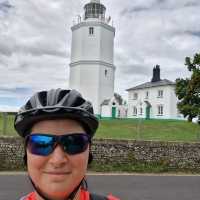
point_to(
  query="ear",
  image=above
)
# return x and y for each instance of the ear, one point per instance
(90, 158)
(25, 159)
(25, 156)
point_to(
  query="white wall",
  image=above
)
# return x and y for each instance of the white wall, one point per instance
(85, 79)
(91, 55)
(105, 111)
(98, 46)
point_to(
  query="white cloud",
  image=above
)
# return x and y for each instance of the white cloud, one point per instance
(35, 39)
(4, 108)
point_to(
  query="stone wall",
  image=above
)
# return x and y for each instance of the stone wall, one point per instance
(171, 154)
(11, 153)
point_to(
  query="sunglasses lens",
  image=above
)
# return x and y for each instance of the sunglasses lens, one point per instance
(74, 144)
(40, 144)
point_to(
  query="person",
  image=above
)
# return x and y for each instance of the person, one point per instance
(57, 127)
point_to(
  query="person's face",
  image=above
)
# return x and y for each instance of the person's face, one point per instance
(58, 173)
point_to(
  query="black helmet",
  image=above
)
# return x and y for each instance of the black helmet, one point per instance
(56, 103)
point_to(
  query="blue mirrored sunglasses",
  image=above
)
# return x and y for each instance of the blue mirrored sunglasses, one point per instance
(44, 144)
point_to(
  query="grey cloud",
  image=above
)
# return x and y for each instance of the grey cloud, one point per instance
(35, 49)
(15, 90)
(128, 11)
(5, 6)
(14, 93)
(160, 1)
(40, 49)
(193, 33)
(192, 4)
(155, 5)
(135, 69)
(140, 7)
(145, 7)
(6, 46)
(5, 50)
(38, 30)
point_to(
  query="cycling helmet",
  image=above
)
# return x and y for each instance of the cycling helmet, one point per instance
(52, 104)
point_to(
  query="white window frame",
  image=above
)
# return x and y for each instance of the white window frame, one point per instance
(106, 72)
(141, 111)
(134, 111)
(160, 93)
(135, 96)
(160, 110)
(147, 95)
(91, 30)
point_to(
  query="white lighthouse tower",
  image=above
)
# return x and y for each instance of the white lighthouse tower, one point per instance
(92, 70)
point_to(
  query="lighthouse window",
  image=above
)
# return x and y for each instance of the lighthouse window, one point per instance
(106, 72)
(91, 30)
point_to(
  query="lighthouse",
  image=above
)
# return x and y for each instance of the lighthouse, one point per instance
(92, 70)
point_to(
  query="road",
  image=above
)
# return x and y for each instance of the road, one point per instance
(126, 187)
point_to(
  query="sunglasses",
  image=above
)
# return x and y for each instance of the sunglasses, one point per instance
(44, 144)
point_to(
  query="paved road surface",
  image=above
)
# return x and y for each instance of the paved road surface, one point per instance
(127, 187)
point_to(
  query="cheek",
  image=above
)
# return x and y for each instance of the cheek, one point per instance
(80, 161)
(35, 164)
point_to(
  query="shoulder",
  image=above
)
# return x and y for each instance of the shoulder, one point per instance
(111, 197)
(97, 197)
(100, 197)
(30, 196)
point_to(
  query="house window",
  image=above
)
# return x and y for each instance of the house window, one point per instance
(141, 111)
(91, 30)
(160, 93)
(160, 109)
(118, 113)
(134, 111)
(135, 96)
(147, 95)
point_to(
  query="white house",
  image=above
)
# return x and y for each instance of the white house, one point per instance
(92, 69)
(153, 100)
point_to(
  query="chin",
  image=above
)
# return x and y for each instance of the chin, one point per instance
(56, 193)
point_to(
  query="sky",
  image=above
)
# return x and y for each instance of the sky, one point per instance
(35, 43)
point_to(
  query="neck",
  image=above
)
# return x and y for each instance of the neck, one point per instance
(77, 196)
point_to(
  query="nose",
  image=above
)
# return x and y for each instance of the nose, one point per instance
(58, 157)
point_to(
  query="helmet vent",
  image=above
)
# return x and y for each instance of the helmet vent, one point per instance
(61, 95)
(78, 102)
(28, 106)
(43, 98)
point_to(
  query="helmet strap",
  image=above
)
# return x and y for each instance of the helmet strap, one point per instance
(45, 196)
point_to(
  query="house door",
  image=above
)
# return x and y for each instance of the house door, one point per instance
(113, 112)
(148, 112)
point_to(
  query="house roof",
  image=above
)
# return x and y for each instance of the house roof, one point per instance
(105, 102)
(152, 84)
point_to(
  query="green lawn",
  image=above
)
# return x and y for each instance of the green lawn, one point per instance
(9, 128)
(165, 130)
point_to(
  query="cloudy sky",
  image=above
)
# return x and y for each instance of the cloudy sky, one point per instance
(35, 40)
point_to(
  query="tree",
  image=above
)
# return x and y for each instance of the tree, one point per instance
(188, 90)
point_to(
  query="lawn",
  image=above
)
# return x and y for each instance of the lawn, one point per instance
(165, 130)
(9, 128)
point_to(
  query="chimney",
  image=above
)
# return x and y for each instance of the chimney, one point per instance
(156, 74)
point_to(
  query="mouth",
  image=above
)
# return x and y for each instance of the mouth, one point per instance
(57, 173)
